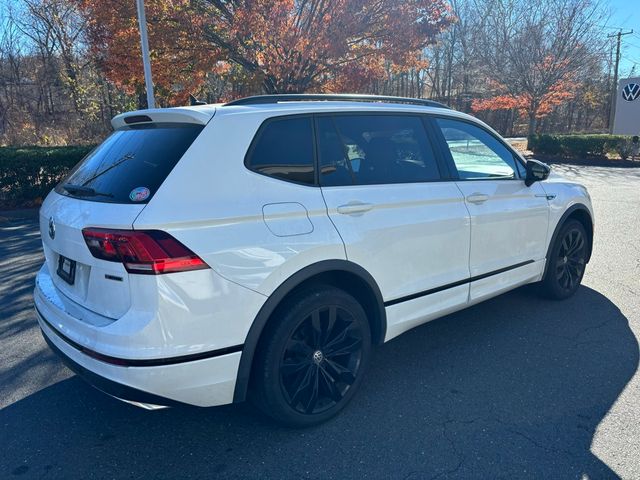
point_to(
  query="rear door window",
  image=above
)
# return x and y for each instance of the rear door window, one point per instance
(374, 149)
(131, 164)
(283, 148)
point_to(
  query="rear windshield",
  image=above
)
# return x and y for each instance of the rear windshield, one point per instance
(131, 164)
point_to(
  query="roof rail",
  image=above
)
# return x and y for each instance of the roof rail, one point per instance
(331, 97)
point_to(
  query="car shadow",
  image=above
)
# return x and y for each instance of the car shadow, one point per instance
(514, 387)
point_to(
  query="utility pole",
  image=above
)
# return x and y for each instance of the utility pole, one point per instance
(144, 42)
(614, 87)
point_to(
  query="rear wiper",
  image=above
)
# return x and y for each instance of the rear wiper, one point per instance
(84, 191)
(125, 157)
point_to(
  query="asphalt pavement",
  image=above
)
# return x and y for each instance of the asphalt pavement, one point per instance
(516, 387)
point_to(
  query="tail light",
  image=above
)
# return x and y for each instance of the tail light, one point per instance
(151, 252)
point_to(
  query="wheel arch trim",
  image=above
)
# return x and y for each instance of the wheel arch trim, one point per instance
(285, 288)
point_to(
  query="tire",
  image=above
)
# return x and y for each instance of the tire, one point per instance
(312, 358)
(567, 261)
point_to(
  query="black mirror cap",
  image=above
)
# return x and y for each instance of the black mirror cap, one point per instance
(536, 172)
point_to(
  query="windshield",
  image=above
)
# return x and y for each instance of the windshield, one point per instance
(131, 164)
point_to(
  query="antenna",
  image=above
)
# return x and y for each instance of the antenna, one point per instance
(194, 101)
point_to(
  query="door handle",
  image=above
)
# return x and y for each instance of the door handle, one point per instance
(354, 208)
(477, 198)
(544, 195)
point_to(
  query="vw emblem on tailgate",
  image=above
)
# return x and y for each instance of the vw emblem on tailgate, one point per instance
(52, 228)
(631, 91)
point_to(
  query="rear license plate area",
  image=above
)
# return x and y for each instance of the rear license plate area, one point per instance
(66, 269)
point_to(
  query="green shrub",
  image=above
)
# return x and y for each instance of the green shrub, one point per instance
(625, 148)
(576, 145)
(27, 174)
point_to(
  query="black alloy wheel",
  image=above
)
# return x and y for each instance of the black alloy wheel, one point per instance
(312, 357)
(321, 360)
(571, 259)
(567, 261)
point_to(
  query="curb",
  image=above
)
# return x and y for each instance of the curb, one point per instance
(584, 162)
(19, 214)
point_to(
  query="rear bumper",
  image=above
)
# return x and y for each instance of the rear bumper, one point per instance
(205, 382)
(115, 389)
(181, 340)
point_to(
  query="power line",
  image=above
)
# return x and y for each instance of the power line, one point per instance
(614, 86)
(607, 26)
(632, 60)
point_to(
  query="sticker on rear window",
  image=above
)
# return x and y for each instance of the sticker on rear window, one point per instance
(139, 194)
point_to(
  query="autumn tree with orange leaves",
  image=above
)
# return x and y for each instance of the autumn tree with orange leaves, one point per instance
(526, 104)
(281, 45)
(68, 66)
(533, 53)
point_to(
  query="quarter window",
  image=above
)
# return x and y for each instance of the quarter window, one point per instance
(476, 153)
(284, 149)
(374, 149)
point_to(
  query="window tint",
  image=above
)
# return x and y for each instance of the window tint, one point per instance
(284, 149)
(334, 167)
(135, 157)
(374, 149)
(476, 153)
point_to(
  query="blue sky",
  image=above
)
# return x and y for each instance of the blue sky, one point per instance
(625, 14)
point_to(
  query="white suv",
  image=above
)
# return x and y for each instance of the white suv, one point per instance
(207, 254)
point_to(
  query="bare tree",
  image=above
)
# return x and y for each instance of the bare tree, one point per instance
(529, 49)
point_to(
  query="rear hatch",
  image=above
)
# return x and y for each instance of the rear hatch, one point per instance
(108, 189)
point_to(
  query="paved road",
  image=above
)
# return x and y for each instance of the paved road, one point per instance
(515, 387)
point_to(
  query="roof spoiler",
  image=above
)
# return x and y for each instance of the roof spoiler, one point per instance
(199, 116)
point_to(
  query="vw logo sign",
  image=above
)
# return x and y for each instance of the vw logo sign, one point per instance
(52, 228)
(631, 91)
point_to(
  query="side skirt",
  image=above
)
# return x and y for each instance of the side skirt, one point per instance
(413, 310)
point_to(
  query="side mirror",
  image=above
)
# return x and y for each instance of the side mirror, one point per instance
(536, 172)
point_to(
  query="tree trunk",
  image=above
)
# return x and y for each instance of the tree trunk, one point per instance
(533, 122)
